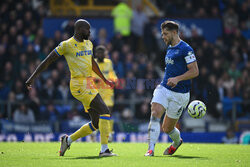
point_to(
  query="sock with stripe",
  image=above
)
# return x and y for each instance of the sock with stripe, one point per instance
(104, 127)
(85, 130)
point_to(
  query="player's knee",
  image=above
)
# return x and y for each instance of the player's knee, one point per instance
(166, 129)
(105, 110)
(156, 111)
(95, 123)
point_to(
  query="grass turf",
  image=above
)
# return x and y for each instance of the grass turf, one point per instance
(130, 155)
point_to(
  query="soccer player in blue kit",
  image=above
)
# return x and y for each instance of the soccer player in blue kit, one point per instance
(172, 95)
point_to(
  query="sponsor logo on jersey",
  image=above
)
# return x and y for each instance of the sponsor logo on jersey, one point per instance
(169, 61)
(84, 53)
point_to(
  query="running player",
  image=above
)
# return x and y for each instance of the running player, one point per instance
(78, 51)
(107, 93)
(172, 95)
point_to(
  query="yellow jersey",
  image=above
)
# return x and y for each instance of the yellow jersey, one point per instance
(78, 56)
(106, 92)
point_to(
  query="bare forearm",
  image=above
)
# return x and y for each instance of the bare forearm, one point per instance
(41, 67)
(97, 70)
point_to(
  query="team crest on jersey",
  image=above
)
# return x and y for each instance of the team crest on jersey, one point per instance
(190, 53)
(169, 61)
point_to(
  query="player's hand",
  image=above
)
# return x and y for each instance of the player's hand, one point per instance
(172, 82)
(96, 80)
(28, 84)
(110, 83)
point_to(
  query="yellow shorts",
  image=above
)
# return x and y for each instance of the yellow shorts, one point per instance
(107, 96)
(83, 89)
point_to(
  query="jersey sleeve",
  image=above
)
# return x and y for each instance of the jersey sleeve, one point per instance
(91, 45)
(189, 55)
(60, 49)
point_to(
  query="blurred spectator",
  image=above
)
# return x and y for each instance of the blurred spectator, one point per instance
(230, 137)
(74, 115)
(102, 37)
(50, 92)
(34, 103)
(230, 19)
(50, 114)
(212, 97)
(117, 42)
(70, 27)
(127, 114)
(23, 115)
(18, 88)
(122, 15)
(150, 41)
(117, 65)
(64, 90)
(143, 111)
(139, 20)
(4, 90)
(231, 102)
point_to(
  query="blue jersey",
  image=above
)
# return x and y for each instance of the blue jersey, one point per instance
(176, 60)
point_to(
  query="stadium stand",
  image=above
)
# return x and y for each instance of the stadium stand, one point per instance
(223, 84)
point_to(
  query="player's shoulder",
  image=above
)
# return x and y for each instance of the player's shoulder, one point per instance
(89, 42)
(106, 60)
(185, 46)
(67, 41)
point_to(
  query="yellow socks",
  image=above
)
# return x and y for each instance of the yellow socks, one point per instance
(104, 127)
(85, 130)
(111, 125)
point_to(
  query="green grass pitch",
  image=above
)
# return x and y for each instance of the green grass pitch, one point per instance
(130, 155)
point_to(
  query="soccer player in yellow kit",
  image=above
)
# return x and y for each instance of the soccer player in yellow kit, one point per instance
(106, 92)
(78, 52)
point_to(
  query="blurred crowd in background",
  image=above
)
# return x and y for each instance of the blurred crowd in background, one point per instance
(139, 54)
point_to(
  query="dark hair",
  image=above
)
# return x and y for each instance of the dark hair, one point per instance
(170, 25)
(100, 48)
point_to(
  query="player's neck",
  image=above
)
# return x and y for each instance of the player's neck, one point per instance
(78, 38)
(175, 41)
(100, 60)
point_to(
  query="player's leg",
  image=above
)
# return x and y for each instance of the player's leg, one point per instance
(85, 130)
(66, 140)
(169, 128)
(94, 115)
(158, 107)
(157, 111)
(111, 125)
(176, 105)
(104, 124)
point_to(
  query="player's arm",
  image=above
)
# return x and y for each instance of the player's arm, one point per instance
(97, 70)
(192, 72)
(41, 67)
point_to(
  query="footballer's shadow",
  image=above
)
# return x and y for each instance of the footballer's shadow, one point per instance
(188, 157)
(87, 157)
(183, 157)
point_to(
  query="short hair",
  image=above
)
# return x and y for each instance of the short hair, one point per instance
(170, 25)
(100, 48)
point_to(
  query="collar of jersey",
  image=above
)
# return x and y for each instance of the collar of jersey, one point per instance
(175, 45)
(77, 40)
